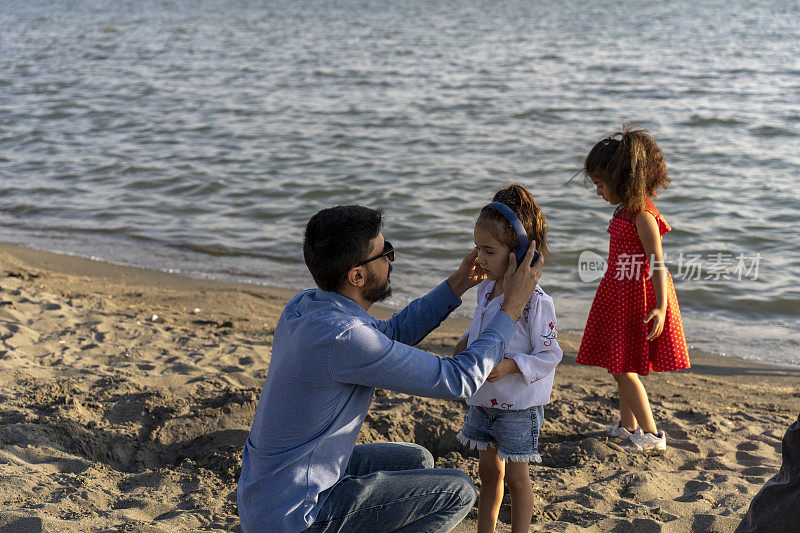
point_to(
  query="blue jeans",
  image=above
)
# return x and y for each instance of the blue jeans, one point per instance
(395, 488)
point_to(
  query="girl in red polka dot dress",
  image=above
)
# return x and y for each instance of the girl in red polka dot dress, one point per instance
(634, 325)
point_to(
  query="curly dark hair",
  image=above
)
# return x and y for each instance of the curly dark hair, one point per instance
(631, 164)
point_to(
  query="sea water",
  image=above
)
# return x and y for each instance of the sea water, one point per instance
(200, 135)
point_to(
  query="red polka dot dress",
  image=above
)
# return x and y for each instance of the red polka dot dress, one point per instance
(616, 335)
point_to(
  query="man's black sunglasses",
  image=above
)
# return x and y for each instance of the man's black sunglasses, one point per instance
(388, 251)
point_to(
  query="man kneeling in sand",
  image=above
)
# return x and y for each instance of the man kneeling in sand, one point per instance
(300, 468)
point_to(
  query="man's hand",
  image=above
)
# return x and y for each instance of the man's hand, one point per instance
(519, 282)
(468, 274)
(503, 368)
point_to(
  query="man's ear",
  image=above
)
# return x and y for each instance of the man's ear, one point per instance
(356, 277)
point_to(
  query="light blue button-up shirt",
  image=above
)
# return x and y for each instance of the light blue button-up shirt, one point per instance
(328, 355)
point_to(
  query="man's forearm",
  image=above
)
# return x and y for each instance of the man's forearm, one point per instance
(421, 316)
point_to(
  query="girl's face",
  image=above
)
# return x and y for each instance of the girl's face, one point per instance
(603, 190)
(492, 254)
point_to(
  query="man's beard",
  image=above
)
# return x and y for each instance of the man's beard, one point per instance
(374, 290)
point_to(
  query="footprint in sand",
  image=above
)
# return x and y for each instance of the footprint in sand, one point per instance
(17, 335)
(759, 471)
(694, 490)
(748, 446)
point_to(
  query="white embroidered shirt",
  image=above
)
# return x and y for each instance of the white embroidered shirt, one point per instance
(534, 347)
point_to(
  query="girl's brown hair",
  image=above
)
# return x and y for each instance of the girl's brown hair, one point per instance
(631, 164)
(522, 203)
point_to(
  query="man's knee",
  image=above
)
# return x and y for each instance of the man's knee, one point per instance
(419, 455)
(461, 486)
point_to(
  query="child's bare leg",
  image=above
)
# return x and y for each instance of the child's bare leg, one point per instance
(626, 416)
(519, 485)
(631, 388)
(491, 471)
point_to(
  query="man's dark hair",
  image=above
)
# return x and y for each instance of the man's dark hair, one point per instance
(336, 240)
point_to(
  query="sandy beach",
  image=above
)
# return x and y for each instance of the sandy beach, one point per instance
(127, 396)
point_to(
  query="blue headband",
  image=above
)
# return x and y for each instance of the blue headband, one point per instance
(519, 229)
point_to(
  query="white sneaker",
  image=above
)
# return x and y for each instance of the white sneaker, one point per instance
(620, 432)
(649, 442)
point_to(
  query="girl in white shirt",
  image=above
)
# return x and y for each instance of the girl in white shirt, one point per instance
(506, 413)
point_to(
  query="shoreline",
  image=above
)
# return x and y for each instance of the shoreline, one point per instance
(77, 265)
(111, 417)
